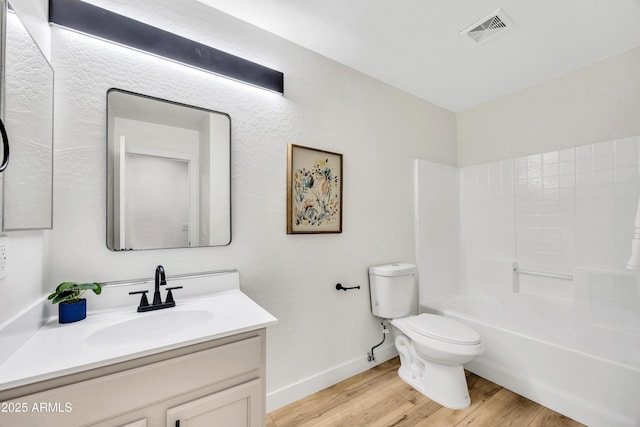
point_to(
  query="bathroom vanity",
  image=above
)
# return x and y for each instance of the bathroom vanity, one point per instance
(201, 362)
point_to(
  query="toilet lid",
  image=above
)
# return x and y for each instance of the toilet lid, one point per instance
(443, 329)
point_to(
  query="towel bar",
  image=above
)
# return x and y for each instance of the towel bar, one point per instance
(518, 270)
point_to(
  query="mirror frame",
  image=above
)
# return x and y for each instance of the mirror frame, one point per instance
(110, 179)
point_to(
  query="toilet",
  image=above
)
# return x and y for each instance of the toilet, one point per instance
(432, 348)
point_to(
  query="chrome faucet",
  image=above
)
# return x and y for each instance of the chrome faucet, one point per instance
(157, 304)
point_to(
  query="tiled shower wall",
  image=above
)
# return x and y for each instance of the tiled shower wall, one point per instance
(556, 212)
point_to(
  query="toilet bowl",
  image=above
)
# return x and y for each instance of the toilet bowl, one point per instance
(432, 348)
(432, 351)
(440, 338)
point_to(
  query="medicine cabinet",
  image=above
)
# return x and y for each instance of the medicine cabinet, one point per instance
(26, 107)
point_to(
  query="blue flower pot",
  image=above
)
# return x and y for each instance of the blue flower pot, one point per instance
(72, 312)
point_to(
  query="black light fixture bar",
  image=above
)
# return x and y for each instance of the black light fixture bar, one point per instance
(89, 19)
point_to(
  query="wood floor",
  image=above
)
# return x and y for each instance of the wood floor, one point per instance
(378, 397)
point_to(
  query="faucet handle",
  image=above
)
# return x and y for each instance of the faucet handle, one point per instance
(144, 302)
(170, 299)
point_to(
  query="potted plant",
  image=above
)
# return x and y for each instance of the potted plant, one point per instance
(71, 307)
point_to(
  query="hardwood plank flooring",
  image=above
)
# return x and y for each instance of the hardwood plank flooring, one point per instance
(379, 398)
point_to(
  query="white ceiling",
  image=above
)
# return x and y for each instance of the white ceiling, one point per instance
(415, 45)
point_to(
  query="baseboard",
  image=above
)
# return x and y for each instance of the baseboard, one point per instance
(278, 398)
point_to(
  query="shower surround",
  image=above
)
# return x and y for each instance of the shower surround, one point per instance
(569, 339)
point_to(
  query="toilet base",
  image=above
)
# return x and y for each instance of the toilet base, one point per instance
(444, 384)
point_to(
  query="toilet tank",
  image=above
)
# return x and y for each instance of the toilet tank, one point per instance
(394, 290)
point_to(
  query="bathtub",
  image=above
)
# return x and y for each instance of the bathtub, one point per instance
(554, 355)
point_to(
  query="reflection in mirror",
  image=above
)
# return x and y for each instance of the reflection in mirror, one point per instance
(168, 174)
(27, 91)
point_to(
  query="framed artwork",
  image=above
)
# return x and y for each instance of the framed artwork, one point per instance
(314, 191)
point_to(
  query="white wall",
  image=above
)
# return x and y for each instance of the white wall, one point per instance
(596, 103)
(437, 229)
(27, 269)
(322, 335)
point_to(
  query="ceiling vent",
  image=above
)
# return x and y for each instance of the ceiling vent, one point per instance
(488, 27)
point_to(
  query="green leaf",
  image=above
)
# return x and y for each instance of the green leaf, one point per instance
(60, 298)
(64, 286)
(89, 286)
(71, 291)
(98, 289)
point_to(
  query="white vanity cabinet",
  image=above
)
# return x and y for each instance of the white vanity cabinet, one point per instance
(215, 383)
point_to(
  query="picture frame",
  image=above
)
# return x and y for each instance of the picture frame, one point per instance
(314, 190)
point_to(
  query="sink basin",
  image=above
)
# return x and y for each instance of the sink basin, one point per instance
(146, 327)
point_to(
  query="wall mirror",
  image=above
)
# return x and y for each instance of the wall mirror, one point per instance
(168, 174)
(27, 112)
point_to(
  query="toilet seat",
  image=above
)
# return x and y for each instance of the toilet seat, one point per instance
(443, 329)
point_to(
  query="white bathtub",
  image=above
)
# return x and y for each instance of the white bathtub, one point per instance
(555, 355)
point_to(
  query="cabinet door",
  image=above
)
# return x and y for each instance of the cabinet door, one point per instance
(238, 406)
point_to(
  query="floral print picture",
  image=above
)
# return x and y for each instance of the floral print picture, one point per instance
(314, 191)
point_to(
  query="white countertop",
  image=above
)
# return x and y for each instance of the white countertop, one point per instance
(57, 349)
